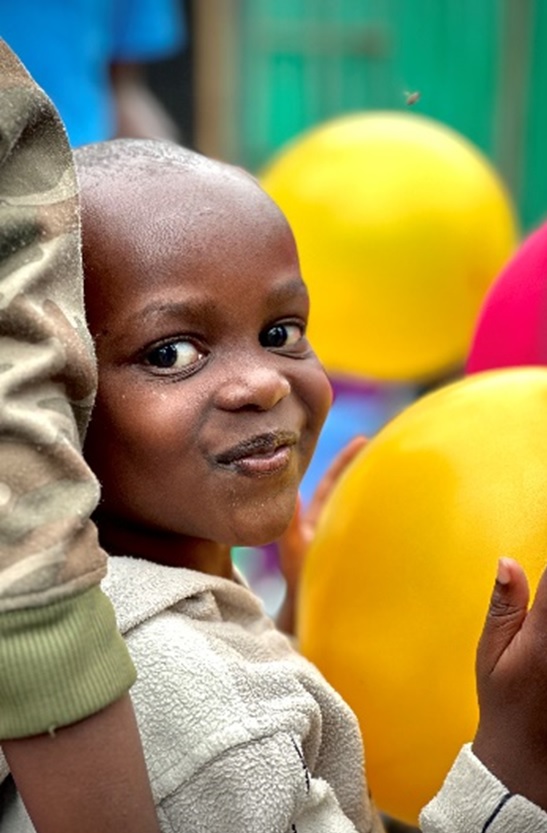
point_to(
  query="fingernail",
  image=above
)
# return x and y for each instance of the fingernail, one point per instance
(504, 572)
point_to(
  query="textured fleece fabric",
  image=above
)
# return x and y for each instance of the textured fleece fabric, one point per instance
(61, 656)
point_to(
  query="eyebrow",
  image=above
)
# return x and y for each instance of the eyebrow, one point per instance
(172, 309)
(196, 307)
(294, 286)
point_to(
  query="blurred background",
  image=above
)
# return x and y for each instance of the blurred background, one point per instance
(264, 70)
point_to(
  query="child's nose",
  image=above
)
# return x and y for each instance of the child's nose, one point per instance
(254, 386)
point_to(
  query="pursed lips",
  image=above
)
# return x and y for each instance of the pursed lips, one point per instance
(259, 455)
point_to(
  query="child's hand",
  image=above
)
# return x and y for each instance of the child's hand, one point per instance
(295, 541)
(512, 685)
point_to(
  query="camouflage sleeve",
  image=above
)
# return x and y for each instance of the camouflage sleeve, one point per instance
(61, 656)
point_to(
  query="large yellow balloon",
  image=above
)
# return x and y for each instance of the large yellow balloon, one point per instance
(401, 225)
(397, 583)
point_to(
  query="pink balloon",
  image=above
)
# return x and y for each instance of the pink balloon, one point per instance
(512, 324)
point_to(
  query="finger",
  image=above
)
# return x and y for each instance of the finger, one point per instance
(506, 613)
(331, 477)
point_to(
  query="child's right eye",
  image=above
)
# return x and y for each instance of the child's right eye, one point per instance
(175, 355)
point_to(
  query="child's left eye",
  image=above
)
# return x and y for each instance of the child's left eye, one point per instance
(176, 355)
(281, 335)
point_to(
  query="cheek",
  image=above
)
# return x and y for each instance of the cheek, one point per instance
(318, 396)
(315, 393)
(133, 424)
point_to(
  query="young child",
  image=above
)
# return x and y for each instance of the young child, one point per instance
(209, 405)
(66, 721)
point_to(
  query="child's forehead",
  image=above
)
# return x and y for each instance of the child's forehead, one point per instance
(176, 221)
(215, 195)
(181, 226)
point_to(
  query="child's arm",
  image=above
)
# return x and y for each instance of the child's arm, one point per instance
(511, 742)
(512, 685)
(61, 656)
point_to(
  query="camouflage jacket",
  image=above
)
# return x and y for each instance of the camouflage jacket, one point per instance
(61, 656)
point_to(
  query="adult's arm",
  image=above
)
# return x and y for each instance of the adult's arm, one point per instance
(62, 659)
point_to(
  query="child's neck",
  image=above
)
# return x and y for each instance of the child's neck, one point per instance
(170, 550)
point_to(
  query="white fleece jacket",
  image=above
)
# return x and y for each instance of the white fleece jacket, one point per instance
(242, 734)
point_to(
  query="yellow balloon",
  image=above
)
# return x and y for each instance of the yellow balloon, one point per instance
(397, 583)
(401, 225)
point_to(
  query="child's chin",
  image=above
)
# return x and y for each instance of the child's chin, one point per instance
(259, 521)
(260, 534)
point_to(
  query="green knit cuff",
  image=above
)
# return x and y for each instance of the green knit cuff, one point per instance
(60, 663)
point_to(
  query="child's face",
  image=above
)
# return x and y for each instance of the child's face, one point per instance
(210, 398)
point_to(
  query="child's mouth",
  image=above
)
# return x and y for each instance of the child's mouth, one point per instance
(261, 455)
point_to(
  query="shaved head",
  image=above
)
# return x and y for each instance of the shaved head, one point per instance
(136, 158)
(127, 180)
(151, 201)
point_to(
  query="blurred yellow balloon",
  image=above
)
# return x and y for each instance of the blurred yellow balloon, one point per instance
(401, 225)
(397, 583)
